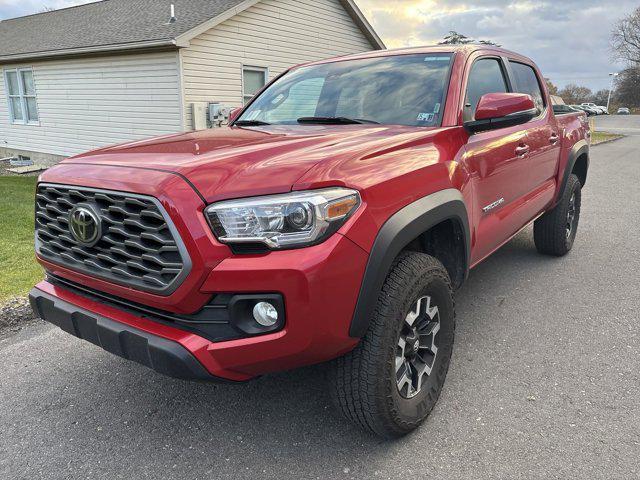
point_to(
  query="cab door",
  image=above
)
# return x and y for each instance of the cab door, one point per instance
(496, 160)
(543, 136)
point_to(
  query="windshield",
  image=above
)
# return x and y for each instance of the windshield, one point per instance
(401, 90)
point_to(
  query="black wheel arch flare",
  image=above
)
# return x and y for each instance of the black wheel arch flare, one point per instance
(580, 149)
(398, 231)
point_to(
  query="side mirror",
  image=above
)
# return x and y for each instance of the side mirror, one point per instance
(234, 114)
(499, 110)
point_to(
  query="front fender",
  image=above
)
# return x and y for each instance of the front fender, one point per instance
(398, 231)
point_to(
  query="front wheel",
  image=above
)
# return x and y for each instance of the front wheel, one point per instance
(391, 381)
(555, 232)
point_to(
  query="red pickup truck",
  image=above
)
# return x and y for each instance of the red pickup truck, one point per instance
(331, 221)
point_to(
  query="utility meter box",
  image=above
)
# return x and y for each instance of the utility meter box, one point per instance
(199, 115)
(218, 114)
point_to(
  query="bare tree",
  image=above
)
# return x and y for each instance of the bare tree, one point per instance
(553, 90)
(575, 94)
(625, 42)
(489, 42)
(455, 38)
(625, 38)
(601, 97)
(627, 93)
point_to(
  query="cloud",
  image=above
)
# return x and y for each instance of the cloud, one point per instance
(569, 40)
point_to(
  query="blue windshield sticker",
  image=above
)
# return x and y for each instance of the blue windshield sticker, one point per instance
(426, 117)
(436, 109)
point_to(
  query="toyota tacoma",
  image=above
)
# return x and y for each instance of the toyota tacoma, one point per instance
(331, 221)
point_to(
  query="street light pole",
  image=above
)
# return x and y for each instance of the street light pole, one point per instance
(613, 76)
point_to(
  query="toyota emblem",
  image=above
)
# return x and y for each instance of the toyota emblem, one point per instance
(84, 226)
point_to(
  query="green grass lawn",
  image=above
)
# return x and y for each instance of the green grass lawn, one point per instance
(18, 268)
(599, 137)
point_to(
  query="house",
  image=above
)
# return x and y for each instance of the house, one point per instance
(120, 70)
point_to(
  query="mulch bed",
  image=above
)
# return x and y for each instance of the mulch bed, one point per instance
(14, 314)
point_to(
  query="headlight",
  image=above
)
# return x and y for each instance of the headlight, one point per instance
(291, 220)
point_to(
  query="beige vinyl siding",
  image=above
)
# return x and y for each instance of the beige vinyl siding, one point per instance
(275, 34)
(87, 103)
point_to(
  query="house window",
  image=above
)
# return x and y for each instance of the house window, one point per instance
(21, 93)
(253, 79)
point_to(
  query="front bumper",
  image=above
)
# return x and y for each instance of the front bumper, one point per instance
(162, 355)
(319, 286)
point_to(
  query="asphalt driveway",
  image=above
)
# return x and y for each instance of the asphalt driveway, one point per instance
(545, 382)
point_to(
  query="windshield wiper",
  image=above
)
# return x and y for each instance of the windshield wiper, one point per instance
(250, 123)
(335, 120)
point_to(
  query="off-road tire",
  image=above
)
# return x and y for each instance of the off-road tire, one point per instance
(550, 231)
(364, 384)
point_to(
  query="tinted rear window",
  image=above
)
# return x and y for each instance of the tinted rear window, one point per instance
(526, 81)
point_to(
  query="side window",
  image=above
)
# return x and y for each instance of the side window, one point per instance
(486, 76)
(526, 81)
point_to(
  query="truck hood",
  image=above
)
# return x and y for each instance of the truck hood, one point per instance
(236, 162)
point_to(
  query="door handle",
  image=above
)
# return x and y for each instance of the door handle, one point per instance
(554, 138)
(522, 150)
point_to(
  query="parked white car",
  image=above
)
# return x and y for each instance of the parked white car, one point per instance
(596, 108)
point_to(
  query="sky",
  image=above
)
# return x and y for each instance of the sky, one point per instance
(568, 39)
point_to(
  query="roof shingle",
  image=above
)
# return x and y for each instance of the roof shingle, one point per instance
(106, 23)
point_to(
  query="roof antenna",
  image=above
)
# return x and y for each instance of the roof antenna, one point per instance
(173, 15)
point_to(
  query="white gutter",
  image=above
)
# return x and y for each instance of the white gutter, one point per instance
(90, 50)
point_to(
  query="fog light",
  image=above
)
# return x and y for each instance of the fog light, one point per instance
(265, 314)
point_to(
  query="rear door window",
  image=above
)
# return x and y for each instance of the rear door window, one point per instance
(526, 81)
(486, 76)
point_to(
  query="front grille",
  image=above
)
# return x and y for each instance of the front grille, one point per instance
(138, 247)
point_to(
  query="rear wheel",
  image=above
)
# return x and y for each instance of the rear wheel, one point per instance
(390, 382)
(555, 232)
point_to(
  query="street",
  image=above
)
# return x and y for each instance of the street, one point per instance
(544, 382)
(624, 124)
